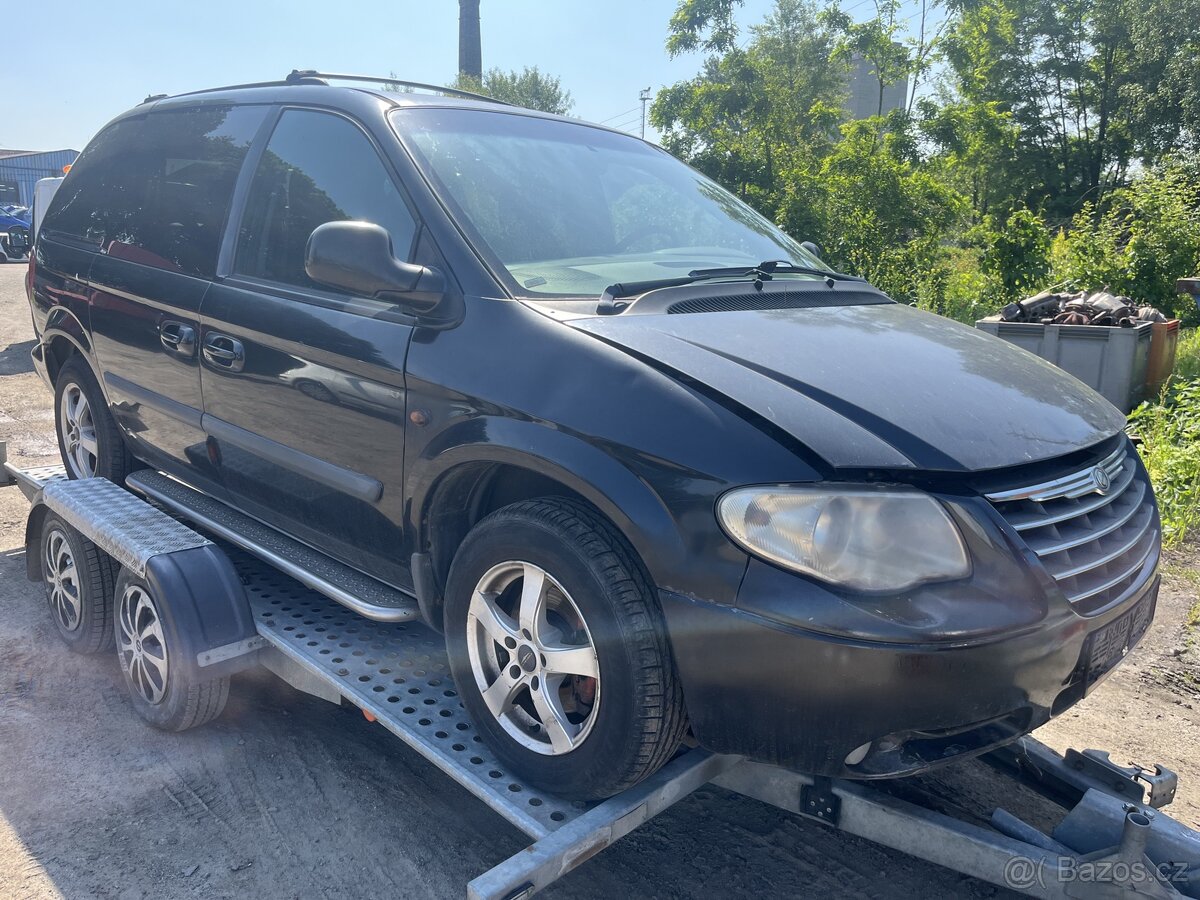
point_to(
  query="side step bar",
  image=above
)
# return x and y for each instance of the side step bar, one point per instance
(364, 595)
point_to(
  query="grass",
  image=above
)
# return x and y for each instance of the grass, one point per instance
(1187, 356)
(1169, 429)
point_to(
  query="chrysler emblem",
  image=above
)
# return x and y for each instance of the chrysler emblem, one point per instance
(1101, 480)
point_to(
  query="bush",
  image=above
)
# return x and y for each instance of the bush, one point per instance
(958, 288)
(1138, 241)
(874, 211)
(1016, 253)
(1187, 356)
(1169, 430)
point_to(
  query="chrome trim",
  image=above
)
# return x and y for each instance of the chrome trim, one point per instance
(1113, 582)
(1036, 520)
(1084, 550)
(1071, 543)
(1109, 555)
(1077, 484)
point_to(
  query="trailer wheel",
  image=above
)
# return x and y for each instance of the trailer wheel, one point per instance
(559, 650)
(162, 691)
(79, 587)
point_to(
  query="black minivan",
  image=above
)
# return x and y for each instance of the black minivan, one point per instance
(657, 473)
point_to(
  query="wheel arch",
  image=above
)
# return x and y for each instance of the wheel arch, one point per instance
(63, 337)
(460, 483)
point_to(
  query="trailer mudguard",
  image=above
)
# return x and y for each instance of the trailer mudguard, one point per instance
(201, 598)
(204, 608)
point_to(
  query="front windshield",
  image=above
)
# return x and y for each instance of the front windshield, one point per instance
(566, 209)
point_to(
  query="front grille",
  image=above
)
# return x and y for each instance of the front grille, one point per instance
(1099, 545)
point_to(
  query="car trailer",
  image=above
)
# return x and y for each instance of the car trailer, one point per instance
(291, 610)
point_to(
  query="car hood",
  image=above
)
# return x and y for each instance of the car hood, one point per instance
(875, 386)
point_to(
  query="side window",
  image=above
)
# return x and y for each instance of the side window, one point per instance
(317, 168)
(156, 189)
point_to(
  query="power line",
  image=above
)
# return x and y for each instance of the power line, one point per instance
(620, 126)
(618, 115)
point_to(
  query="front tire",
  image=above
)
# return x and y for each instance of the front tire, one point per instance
(161, 690)
(559, 650)
(89, 440)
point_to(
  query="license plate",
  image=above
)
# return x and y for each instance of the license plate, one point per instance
(1109, 645)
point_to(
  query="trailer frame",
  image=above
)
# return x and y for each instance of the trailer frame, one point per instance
(1114, 840)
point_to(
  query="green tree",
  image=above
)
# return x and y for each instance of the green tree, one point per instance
(1016, 253)
(1138, 240)
(752, 113)
(876, 211)
(530, 88)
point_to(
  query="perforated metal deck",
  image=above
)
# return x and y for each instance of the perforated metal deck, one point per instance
(399, 673)
(34, 479)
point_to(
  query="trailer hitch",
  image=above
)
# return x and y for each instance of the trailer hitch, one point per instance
(1156, 789)
(1074, 773)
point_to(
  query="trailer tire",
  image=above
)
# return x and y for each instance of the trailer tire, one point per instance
(79, 586)
(606, 732)
(163, 694)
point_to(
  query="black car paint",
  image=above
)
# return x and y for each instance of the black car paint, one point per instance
(648, 417)
(828, 375)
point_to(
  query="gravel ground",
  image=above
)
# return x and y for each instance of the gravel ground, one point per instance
(287, 796)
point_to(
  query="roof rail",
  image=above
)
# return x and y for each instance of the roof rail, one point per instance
(310, 76)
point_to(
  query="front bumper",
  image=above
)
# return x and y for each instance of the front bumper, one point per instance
(789, 696)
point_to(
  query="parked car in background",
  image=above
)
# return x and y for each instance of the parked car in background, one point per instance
(652, 468)
(15, 238)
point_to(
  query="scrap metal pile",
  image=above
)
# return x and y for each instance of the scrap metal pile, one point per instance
(1099, 308)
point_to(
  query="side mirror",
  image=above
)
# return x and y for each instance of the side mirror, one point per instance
(357, 257)
(814, 249)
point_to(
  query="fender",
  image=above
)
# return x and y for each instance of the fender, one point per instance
(205, 611)
(626, 500)
(33, 540)
(62, 323)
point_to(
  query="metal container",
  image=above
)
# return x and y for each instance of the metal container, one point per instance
(1162, 356)
(1111, 360)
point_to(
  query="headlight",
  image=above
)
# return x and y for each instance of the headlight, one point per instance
(864, 539)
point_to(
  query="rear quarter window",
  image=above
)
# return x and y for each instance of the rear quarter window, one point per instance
(156, 189)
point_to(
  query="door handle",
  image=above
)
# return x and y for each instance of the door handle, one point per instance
(224, 352)
(178, 338)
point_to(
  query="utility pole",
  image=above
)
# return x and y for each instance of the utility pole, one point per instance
(644, 96)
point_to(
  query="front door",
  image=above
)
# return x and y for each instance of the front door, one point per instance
(157, 198)
(303, 387)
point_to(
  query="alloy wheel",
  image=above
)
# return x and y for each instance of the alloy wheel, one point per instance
(533, 658)
(142, 648)
(78, 432)
(62, 577)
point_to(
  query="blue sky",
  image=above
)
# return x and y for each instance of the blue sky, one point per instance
(84, 62)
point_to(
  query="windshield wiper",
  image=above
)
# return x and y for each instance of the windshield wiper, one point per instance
(764, 271)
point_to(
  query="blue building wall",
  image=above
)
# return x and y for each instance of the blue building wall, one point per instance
(26, 170)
